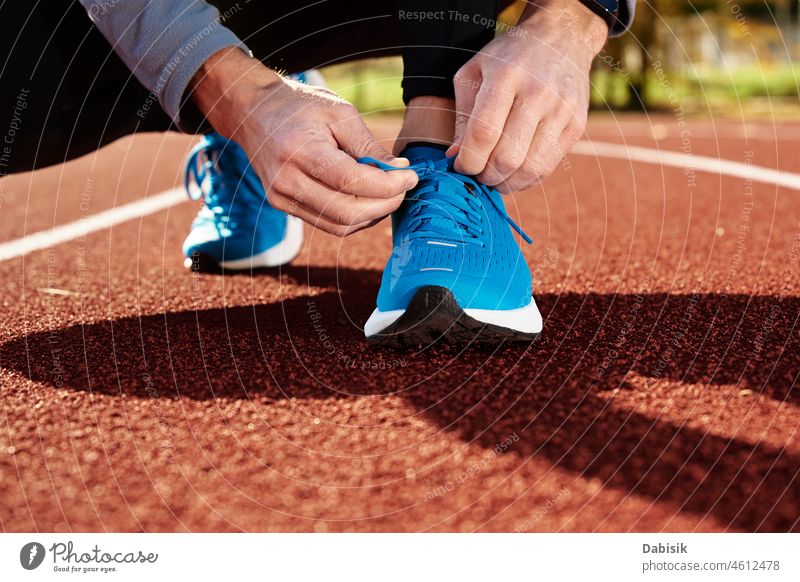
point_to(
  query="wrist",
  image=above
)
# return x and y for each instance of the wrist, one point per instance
(227, 87)
(570, 16)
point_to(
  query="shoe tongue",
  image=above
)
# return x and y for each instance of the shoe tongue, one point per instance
(418, 152)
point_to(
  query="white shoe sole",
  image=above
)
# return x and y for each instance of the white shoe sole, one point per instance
(280, 254)
(525, 320)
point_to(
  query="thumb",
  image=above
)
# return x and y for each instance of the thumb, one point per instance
(358, 142)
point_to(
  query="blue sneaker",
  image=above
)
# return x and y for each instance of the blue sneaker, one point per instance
(236, 228)
(456, 273)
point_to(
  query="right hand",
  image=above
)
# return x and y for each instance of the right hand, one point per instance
(303, 142)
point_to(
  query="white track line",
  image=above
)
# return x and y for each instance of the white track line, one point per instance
(152, 204)
(681, 160)
(100, 221)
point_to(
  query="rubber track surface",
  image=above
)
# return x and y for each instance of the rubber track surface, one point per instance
(138, 395)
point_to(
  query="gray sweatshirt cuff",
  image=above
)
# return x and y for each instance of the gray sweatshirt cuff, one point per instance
(163, 42)
(176, 75)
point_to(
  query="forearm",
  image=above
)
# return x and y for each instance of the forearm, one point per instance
(228, 86)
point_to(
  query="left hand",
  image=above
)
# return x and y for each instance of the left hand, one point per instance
(522, 101)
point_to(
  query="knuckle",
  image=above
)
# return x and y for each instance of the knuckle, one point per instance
(471, 164)
(346, 217)
(341, 231)
(486, 133)
(549, 139)
(545, 168)
(522, 176)
(280, 184)
(532, 167)
(490, 178)
(287, 181)
(510, 161)
(465, 80)
(345, 109)
(284, 153)
(496, 169)
(533, 87)
(522, 180)
(345, 179)
(568, 95)
(510, 185)
(517, 158)
(509, 75)
(365, 145)
(277, 202)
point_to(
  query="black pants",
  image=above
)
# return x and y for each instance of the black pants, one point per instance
(64, 93)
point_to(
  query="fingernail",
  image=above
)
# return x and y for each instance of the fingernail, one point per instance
(401, 162)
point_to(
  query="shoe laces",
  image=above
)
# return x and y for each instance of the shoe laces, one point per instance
(219, 172)
(446, 204)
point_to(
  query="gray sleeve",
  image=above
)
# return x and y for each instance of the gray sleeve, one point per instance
(164, 42)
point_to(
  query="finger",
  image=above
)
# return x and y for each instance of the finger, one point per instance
(314, 218)
(484, 128)
(357, 141)
(465, 85)
(542, 158)
(342, 173)
(333, 205)
(513, 146)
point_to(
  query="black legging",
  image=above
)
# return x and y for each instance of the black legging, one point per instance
(64, 93)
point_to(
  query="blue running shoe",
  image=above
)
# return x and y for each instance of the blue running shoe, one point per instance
(456, 273)
(236, 228)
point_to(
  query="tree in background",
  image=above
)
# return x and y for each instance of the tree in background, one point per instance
(696, 39)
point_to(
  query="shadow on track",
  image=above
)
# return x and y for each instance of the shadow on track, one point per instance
(557, 394)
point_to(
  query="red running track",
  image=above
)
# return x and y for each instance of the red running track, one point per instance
(662, 396)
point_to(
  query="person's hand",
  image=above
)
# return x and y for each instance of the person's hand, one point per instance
(522, 101)
(303, 143)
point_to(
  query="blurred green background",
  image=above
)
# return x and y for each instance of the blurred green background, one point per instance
(731, 57)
